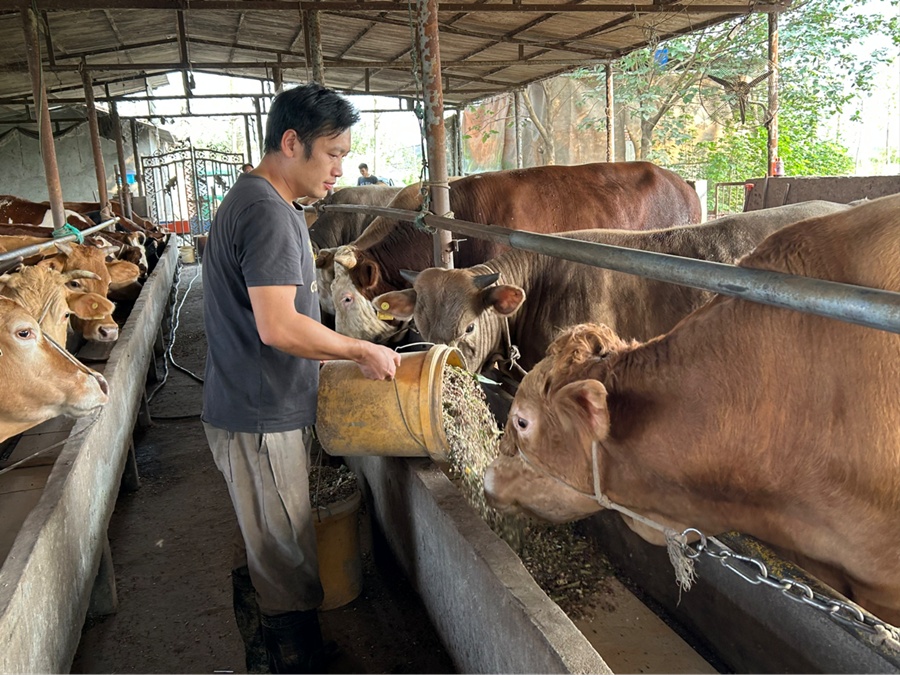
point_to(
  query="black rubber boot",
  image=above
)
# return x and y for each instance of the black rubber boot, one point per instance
(247, 616)
(294, 642)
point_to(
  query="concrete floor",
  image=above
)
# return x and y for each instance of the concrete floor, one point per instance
(170, 544)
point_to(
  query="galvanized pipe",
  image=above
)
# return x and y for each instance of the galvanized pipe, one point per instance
(37, 248)
(873, 308)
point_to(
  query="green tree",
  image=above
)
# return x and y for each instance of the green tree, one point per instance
(663, 88)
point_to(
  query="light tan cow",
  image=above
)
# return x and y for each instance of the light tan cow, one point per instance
(41, 380)
(117, 273)
(51, 296)
(779, 424)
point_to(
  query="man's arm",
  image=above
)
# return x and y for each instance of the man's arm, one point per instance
(280, 326)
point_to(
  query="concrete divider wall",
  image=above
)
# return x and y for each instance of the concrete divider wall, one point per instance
(47, 578)
(769, 192)
(489, 612)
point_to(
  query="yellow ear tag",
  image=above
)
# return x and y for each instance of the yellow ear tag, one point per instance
(384, 317)
(94, 305)
(385, 305)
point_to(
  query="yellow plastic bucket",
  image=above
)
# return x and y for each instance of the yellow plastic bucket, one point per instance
(400, 418)
(340, 562)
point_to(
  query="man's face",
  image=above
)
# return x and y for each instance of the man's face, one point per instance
(364, 171)
(316, 176)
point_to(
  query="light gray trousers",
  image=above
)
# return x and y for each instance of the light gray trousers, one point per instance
(268, 482)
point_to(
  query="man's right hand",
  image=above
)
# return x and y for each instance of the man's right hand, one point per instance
(377, 362)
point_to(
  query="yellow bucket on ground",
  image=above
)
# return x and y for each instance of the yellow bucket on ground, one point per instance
(400, 418)
(187, 254)
(340, 562)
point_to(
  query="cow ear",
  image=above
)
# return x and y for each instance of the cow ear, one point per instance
(505, 300)
(64, 247)
(89, 306)
(365, 275)
(398, 304)
(587, 400)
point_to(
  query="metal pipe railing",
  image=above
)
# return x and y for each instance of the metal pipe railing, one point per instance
(37, 248)
(869, 307)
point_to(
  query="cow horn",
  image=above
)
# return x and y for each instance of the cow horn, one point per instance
(484, 280)
(346, 256)
(79, 274)
(409, 275)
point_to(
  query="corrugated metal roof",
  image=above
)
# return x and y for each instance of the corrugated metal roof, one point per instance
(487, 46)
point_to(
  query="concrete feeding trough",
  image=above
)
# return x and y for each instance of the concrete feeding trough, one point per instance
(55, 556)
(493, 617)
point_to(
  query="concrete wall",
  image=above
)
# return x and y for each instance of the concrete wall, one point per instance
(48, 575)
(768, 192)
(22, 170)
(489, 612)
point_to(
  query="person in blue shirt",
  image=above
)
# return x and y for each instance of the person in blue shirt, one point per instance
(365, 177)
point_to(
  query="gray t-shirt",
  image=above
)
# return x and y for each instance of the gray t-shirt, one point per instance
(256, 239)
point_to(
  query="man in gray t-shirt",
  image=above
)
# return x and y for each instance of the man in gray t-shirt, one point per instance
(261, 312)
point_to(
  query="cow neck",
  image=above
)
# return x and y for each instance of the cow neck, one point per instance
(675, 540)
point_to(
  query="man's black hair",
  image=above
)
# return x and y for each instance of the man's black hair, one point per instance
(313, 111)
(363, 166)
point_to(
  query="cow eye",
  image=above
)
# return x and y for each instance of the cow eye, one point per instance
(347, 299)
(68, 314)
(25, 334)
(521, 423)
(470, 328)
(74, 285)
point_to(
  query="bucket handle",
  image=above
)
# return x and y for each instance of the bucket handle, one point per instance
(405, 423)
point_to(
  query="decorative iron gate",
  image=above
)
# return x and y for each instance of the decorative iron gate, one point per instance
(184, 187)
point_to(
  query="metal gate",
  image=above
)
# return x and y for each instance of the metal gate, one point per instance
(185, 187)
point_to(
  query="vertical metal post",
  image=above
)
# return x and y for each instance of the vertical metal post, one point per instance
(428, 47)
(124, 190)
(135, 152)
(48, 149)
(247, 141)
(259, 127)
(99, 168)
(772, 126)
(517, 113)
(458, 170)
(610, 117)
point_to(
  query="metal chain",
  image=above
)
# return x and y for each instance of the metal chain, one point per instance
(755, 572)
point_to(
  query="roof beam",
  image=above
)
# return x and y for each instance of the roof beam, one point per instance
(388, 6)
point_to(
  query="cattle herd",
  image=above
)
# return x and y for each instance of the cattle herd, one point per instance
(65, 293)
(690, 409)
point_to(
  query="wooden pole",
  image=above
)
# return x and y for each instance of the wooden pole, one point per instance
(247, 141)
(772, 126)
(314, 41)
(427, 45)
(124, 190)
(259, 128)
(48, 149)
(610, 117)
(99, 168)
(517, 108)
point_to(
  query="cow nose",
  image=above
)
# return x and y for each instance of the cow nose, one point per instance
(104, 385)
(108, 333)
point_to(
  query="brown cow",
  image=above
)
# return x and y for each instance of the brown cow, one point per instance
(51, 296)
(538, 295)
(77, 256)
(333, 229)
(41, 379)
(17, 210)
(549, 199)
(775, 423)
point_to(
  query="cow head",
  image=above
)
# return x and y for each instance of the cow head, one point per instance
(325, 278)
(75, 256)
(559, 412)
(44, 380)
(52, 297)
(456, 308)
(354, 314)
